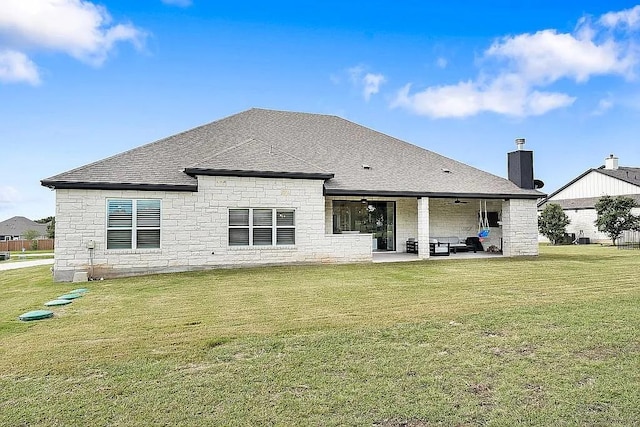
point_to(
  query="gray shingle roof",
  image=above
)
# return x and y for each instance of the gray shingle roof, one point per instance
(630, 175)
(626, 174)
(17, 226)
(582, 203)
(292, 143)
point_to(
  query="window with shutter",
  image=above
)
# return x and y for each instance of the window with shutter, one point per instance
(133, 224)
(261, 227)
(238, 227)
(119, 224)
(286, 232)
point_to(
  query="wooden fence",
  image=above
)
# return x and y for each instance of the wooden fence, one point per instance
(17, 245)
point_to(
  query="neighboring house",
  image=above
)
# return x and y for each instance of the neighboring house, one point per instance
(15, 228)
(268, 187)
(579, 197)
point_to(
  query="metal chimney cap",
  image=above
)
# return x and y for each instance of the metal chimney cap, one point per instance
(520, 143)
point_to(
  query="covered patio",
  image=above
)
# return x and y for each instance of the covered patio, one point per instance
(400, 226)
(380, 257)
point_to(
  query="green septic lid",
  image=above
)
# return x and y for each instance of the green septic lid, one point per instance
(69, 296)
(58, 302)
(79, 291)
(36, 315)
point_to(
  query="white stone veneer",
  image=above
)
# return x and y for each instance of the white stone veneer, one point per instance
(194, 233)
(449, 219)
(519, 227)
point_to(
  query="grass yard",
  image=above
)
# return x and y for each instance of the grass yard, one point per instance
(17, 256)
(548, 341)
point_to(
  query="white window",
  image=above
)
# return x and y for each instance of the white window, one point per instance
(133, 224)
(261, 227)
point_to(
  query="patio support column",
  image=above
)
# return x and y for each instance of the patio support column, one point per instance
(423, 227)
(519, 227)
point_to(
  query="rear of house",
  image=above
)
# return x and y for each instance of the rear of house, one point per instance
(270, 187)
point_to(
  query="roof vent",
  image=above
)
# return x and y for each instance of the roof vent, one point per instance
(520, 143)
(445, 170)
(367, 167)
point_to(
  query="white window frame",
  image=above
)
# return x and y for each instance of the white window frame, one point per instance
(134, 224)
(251, 227)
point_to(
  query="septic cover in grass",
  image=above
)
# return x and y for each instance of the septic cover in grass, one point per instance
(58, 302)
(36, 315)
(69, 296)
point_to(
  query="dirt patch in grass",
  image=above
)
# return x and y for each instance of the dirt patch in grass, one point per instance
(598, 353)
(402, 423)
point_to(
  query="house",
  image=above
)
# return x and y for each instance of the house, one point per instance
(16, 227)
(267, 187)
(579, 197)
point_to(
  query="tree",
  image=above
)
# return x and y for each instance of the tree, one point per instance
(51, 228)
(45, 220)
(552, 222)
(614, 216)
(31, 235)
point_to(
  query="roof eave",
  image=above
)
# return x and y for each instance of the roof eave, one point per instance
(258, 174)
(83, 185)
(443, 195)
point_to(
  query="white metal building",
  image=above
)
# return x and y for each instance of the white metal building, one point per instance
(579, 196)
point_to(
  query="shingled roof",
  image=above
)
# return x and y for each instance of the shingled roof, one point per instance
(626, 174)
(581, 203)
(352, 159)
(18, 225)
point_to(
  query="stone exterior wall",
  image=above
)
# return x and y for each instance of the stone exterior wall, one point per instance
(406, 221)
(449, 219)
(423, 227)
(194, 232)
(194, 227)
(406, 217)
(519, 227)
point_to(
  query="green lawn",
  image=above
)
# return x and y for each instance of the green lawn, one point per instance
(17, 256)
(38, 252)
(553, 340)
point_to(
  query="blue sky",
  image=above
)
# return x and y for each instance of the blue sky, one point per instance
(83, 80)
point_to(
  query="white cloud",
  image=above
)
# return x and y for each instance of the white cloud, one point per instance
(546, 56)
(470, 98)
(516, 68)
(629, 18)
(15, 67)
(372, 84)
(369, 82)
(180, 3)
(78, 28)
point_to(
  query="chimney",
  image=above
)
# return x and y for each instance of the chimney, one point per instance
(611, 162)
(520, 166)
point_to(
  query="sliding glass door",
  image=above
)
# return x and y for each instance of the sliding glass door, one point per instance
(376, 218)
